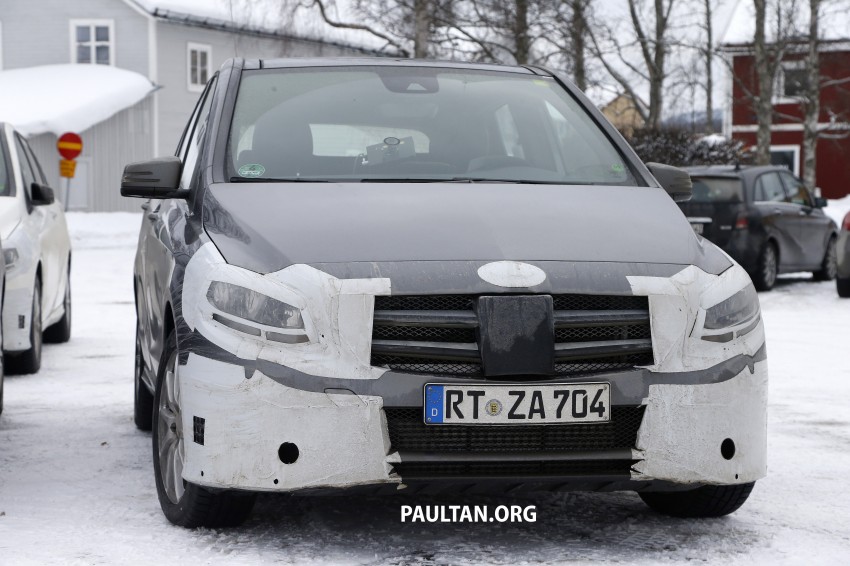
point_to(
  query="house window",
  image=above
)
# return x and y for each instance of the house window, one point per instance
(787, 156)
(792, 80)
(198, 65)
(92, 42)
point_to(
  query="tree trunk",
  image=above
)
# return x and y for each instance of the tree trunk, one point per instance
(521, 39)
(421, 28)
(578, 38)
(764, 99)
(709, 74)
(812, 99)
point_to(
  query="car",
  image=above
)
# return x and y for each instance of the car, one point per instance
(842, 279)
(765, 218)
(37, 258)
(392, 275)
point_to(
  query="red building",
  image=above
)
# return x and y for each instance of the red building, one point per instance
(833, 146)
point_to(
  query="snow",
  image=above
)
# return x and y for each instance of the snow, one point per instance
(77, 487)
(67, 98)
(834, 21)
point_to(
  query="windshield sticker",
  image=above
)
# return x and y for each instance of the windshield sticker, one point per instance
(252, 170)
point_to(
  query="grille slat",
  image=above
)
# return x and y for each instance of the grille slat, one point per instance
(432, 334)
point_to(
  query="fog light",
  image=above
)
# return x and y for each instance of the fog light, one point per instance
(727, 448)
(288, 453)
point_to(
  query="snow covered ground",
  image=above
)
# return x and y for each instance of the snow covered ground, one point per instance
(76, 481)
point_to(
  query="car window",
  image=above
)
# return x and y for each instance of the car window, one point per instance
(717, 189)
(193, 144)
(34, 164)
(769, 188)
(796, 190)
(373, 123)
(26, 169)
(5, 180)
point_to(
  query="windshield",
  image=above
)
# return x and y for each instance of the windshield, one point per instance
(717, 189)
(417, 124)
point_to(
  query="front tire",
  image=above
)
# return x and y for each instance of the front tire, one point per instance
(843, 287)
(829, 266)
(183, 503)
(29, 361)
(705, 501)
(60, 331)
(767, 268)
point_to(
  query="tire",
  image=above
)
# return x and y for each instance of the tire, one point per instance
(768, 267)
(143, 399)
(60, 331)
(829, 266)
(843, 287)
(706, 501)
(29, 361)
(183, 503)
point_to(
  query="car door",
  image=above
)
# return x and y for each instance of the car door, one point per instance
(53, 238)
(35, 219)
(779, 217)
(813, 227)
(158, 260)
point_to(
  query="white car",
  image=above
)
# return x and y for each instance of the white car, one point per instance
(37, 254)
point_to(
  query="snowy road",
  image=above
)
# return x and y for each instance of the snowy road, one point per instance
(76, 482)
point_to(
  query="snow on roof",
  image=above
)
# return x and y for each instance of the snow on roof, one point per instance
(834, 21)
(267, 16)
(67, 98)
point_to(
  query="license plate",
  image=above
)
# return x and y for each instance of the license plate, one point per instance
(697, 227)
(516, 404)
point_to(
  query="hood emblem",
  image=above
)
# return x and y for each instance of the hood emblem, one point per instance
(511, 274)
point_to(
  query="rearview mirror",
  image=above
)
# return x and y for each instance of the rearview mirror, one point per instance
(41, 194)
(156, 178)
(677, 182)
(820, 202)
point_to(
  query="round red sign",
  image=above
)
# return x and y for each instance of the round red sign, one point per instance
(69, 145)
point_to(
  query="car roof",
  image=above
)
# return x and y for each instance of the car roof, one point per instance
(296, 62)
(746, 172)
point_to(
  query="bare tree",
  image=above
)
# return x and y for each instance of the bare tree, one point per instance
(708, 54)
(811, 97)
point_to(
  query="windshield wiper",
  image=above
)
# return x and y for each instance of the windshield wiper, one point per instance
(276, 180)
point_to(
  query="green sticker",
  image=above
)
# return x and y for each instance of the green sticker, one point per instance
(617, 168)
(252, 170)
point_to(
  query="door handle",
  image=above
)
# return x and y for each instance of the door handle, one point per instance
(152, 216)
(801, 213)
(146, 205)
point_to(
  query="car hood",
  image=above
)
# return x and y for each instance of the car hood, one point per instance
(10, 216)
(266, 227)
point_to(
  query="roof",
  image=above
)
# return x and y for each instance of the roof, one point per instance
(834, 22)
(731, 170)
(264, 17)
(283, 63)
(67, 98)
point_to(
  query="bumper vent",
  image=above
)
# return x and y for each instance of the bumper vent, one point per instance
(439, 334)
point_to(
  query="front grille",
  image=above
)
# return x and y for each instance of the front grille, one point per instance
(408, 432)
(439, 334)
(414, 470)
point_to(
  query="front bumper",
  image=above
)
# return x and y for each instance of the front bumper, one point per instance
(340, 427)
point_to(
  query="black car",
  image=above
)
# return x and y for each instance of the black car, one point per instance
(765, 218)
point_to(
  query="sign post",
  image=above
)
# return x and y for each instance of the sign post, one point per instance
(70, 146)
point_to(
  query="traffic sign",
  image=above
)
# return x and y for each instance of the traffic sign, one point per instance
(67, 168)
(69, 145)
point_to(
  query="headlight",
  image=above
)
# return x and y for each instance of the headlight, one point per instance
(737, 309)
(253, 306)
(11, 257)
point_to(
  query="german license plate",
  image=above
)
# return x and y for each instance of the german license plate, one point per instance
(697, 227)
(516, 404)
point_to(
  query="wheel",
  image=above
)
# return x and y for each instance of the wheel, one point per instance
(183, 503)
(29, 361)
(143, 399)
(843, 287)
(829, 266)
(706, 501)
(768, 267)
(60, 331)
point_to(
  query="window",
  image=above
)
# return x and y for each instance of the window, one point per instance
(797, 191)
(5, 182)
(792, 80)
(92, 42)
(787, 156)
(26, 169)
(193, 143)
(198, 64)
(769, 188)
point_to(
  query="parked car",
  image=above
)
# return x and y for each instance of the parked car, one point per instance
(37, 254)
(765, 218)
(382, 274)
(842, 279)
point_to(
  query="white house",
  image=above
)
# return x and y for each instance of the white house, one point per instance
(176, 45)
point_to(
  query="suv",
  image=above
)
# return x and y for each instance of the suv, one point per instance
(765, 218)
(382, 274)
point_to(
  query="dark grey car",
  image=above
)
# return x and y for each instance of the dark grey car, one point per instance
(403, 275)
(765, 218)
(842, 278)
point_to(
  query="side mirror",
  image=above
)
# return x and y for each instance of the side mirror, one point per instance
(677, 182)
(157, 178)
(820, 202)
(41, 194)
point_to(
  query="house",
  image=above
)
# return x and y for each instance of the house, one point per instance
(833, 145)
(176, 45)
(623, 114)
